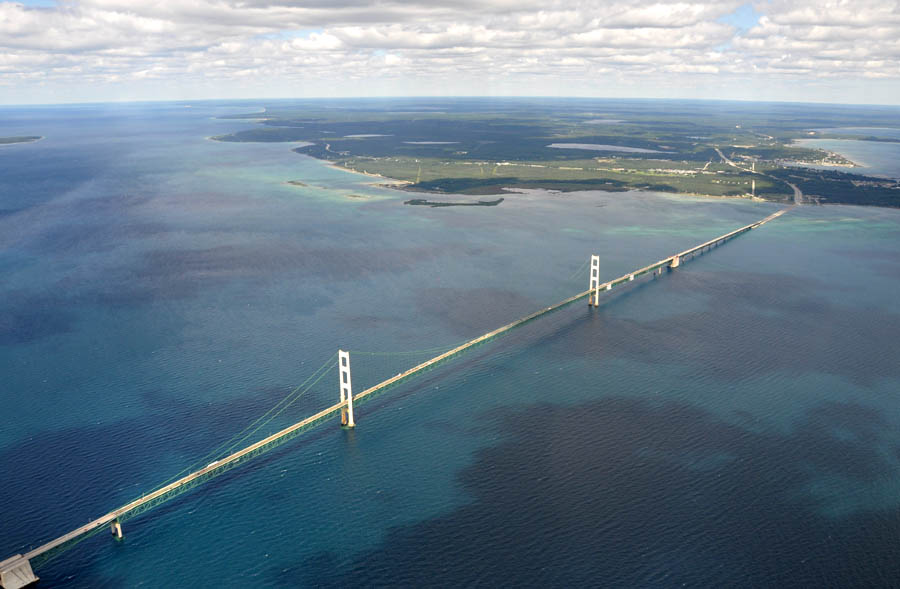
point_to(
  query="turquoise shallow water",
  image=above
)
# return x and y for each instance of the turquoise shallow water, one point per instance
(734, 422)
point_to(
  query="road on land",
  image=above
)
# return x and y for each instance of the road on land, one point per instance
(798, 194)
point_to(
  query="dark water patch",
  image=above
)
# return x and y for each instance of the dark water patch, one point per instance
(888, 270)
(733, 334)
(193, 503)
(58, 480)
(87, 224)
(883, 262)
(364, 321)
(471, 311)
(176, 274)
(29, 180)
(87, 238)
(23, 321)
(105, 204)
(234, 261)
(610, 494)
(868, 254)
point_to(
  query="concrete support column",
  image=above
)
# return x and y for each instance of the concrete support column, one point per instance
(115, 529)
(676, 261)
(15, 573)
(346, 389)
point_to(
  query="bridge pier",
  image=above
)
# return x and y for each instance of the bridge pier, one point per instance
(15, 573)
(594, 284)
(115, 529)
(676, 261)
(346, 389)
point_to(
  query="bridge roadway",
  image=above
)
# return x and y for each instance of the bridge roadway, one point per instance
(8, 566)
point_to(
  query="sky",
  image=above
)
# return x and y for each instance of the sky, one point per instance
(56, 51)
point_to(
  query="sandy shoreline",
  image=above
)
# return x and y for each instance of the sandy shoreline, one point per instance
(405, 186)
(389, 182)
(830, 154)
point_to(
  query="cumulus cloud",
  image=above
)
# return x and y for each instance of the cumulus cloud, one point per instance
(831, 38)
(411, 43)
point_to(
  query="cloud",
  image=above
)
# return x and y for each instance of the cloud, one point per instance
(306, 44)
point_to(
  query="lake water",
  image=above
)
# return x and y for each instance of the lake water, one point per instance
(602, 147)
(733, 423)
(880, 132)
(876, 158)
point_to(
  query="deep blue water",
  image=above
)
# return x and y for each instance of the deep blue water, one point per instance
(733, 423)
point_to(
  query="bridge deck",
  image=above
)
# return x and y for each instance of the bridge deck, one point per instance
(224, 463)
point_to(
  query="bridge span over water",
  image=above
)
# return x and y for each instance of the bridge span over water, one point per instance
(16, 572)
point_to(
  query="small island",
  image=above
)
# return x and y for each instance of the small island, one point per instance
(438, 203)
(23, 139)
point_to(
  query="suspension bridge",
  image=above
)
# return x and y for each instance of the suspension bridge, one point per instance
(17, 572)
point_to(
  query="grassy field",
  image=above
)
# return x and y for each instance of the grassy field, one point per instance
(486, 177)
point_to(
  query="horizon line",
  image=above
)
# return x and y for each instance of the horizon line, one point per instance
(446, 97)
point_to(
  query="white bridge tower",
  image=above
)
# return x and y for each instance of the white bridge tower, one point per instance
(346, 389)
(594, 299)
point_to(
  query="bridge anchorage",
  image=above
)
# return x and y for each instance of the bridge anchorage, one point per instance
(16, 571)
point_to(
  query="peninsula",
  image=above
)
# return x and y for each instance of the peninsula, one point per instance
(487, 146)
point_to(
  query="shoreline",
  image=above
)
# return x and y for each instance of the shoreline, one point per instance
(832, 154)
(389, 182)
(407, 187)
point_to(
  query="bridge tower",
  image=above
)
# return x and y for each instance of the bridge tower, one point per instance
(346, 389)
(594, 299)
